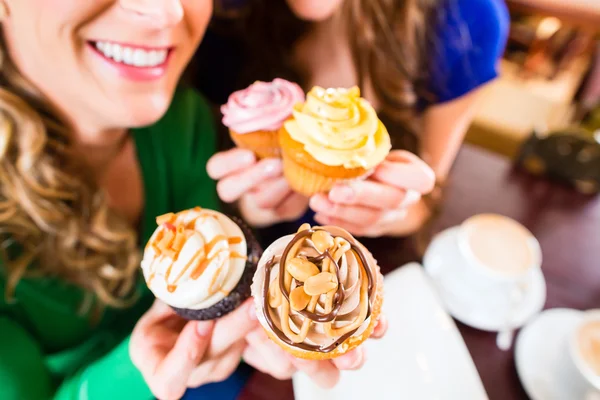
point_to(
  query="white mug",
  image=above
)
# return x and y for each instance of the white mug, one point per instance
(583, 372)
(499, 257)
(499, 253)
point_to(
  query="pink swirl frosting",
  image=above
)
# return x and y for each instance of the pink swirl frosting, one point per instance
(261, 106)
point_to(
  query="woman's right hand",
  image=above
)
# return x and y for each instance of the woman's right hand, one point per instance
(174, 354)
(264, 195)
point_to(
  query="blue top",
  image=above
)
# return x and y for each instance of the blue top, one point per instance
(471, 35)
(470, 38)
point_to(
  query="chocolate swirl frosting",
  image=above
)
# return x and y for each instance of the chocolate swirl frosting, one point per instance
(317, 288)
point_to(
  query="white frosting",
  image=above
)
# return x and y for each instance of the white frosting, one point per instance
(221, 274)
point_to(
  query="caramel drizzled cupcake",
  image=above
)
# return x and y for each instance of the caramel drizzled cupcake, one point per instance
(318, 293)
(200, 262)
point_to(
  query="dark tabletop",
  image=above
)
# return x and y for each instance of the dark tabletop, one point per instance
(566, 223)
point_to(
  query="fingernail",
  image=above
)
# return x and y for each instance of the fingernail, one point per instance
(356, 359)
(252, 312)
(248, 157)
(344, 194)
(272, 167)
(203, 328)
(314, 202)
(411, 197)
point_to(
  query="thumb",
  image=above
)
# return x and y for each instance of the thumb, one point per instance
(405, 171)
(173, 372)
(233, 327)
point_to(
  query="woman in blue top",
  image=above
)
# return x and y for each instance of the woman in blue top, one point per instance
(420, 62)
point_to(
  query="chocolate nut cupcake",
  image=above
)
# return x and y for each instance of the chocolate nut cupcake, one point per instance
(318, 293)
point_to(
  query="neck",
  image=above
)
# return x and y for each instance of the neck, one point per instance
(98, 139)
(99, 147)
(332, 26)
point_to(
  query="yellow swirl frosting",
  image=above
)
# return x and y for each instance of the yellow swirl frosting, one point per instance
(339, 128)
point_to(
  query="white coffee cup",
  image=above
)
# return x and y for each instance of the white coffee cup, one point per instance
(500, 253)
(583, 351)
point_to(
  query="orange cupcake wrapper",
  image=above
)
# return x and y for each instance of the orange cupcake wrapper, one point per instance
(308, 182)
(265, 144)
(295, 151)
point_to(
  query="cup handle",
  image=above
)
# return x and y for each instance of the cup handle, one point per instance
(504, 339)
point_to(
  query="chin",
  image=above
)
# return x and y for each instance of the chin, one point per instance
(314, 10)
(147, 111)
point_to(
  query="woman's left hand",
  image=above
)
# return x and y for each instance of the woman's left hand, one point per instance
(266, 356)
(379, 205)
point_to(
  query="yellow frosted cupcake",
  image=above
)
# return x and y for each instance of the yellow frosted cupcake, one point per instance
(334, 136)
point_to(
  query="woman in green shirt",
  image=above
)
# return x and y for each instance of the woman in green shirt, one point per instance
(95, 141)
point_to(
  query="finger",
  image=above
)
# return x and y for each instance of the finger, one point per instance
(359, 215)
(355, 229)
(271, 193)
(158, 312)
(405, 171)
(232, 328)
(233, 186)
(272, 358)
(227, 364)
(229, 162)
(293, 207)
(350, 361)
(381, 327)
(368, 193)
(323, 373)
(217, 369)
(170, 376)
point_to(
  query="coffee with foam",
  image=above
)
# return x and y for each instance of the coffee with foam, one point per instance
(500, 244)
(588, 344)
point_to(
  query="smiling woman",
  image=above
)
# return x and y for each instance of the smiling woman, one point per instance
(96, 139)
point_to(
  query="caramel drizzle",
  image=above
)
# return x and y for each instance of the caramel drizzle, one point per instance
(170, 240)
(334, 300)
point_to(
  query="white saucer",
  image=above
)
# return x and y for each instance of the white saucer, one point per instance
(541, 356)
(469, 303)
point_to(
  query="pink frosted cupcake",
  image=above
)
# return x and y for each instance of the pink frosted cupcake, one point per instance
(255, 115)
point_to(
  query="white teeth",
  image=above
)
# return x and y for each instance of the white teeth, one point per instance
(128, 56)
(140, 58)
(132, 56)
(117, 53)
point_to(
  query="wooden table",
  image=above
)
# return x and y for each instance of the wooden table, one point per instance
(567, 225)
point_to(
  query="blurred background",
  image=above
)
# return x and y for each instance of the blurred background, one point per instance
(550, 76)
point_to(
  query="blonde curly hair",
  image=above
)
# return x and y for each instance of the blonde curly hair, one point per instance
(54, 219)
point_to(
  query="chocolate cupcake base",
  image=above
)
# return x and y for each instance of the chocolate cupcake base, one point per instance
(240, 293)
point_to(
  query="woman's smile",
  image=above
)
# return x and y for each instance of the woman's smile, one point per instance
(135, 62)
(115, 64)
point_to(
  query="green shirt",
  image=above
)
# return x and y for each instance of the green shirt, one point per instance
(47, 348)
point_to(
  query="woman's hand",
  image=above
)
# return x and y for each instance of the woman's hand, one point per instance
(379, 205)
(263, 193)
(174, 354)
(268, 357)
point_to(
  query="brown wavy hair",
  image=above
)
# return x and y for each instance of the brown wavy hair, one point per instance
(391, 42)
(54, 220)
